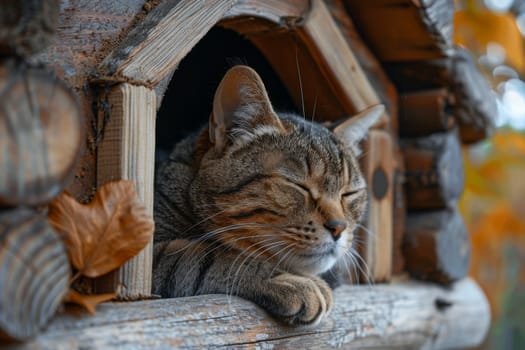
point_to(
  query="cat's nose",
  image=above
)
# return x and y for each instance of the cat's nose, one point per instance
(336, 227)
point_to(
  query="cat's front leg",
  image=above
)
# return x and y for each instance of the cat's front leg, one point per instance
(295, 299)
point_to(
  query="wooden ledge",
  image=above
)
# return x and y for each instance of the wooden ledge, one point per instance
(403, 314)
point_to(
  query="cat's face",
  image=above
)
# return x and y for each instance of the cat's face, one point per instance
(276, 188)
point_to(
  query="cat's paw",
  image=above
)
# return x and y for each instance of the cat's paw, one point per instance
(300, 300)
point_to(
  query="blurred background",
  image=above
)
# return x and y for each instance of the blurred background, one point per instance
(493, 203)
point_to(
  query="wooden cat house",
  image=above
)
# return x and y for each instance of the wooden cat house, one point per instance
(332, 58)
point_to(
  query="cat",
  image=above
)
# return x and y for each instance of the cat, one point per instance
(259, 204)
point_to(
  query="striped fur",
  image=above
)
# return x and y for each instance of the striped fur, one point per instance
(256, 205)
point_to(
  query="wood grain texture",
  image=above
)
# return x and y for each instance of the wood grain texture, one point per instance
(376, 240)
(409, 30)
(402, 315)
(40, 135)
(473, 105)
(155, 47)
(34, 273)
(425, 112)
(331, 51)
(127, 151)
(435, 176)
(436, 246)
(368, 62)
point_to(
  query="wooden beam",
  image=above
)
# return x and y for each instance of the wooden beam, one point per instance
(401, 315)
(408, 30)
(127, 151)
(368, 62)
(155, 47)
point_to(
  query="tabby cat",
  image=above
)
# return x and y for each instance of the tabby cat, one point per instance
(259, 204)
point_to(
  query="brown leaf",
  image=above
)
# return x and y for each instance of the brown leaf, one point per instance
(105, 233)
(88, 302)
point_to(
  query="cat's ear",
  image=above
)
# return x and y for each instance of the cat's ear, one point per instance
(355, 129)
(239, 106)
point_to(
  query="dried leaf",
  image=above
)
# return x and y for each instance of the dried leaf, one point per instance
(88, 302)
(105, 233)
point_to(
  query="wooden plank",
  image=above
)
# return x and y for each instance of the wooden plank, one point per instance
(377, 245)
(409, 30)
(436, 246)
(275, 11)
(401, 315)
(127, 151)
(329, 48)
(368, 62)
(155, 47)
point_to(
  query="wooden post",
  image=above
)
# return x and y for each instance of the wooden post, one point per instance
(127, 151)
(376, 241)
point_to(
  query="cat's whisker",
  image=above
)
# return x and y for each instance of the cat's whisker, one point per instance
(218, 245)
(352, 269)
(361, 263)
(202, 221)
(283, 258)
(251, 255)
(313, 116)
(366, 230)
(300, 81)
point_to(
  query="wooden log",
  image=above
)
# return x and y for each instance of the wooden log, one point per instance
(436, 246)
(26, 27)
(127, 151)
(473, 104)
(34, 273)
(376, 240)
(434, 171)
(409, 30)
(425, 112)
(405, 315)
(40, 135)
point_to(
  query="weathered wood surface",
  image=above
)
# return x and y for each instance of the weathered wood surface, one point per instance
(40, 135)
(408, 30)
(401, 315)
(34, 272)
(376, 239)
(425, 112)
(473, 104)
(28, 26)
(155, 47)
(435, 176)
(436, 246)
(127, 151)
